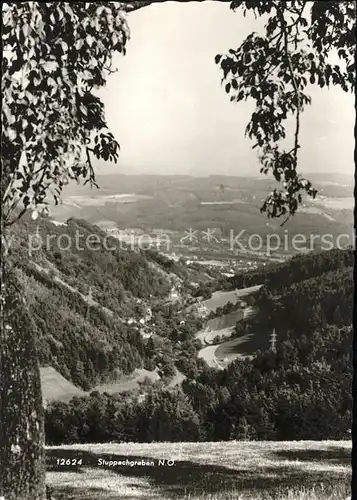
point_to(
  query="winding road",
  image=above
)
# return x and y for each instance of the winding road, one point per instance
(210, 353)
(207, 336)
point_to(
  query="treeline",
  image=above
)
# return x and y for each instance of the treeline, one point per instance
(298, 268)
(226, 309)
(309, 304)
(303, 391)
(305, 306)
(162, 416)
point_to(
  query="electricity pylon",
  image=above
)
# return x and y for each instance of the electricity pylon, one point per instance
(273, 341)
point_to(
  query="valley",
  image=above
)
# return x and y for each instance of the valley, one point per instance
(191, 271)
(199, 345)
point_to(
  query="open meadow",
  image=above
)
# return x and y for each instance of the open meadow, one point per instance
(300, 470)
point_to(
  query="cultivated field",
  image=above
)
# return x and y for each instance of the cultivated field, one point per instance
(222, 326)
(225, 321)
(304, 470)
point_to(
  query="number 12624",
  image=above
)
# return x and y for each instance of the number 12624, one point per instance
(69, 461)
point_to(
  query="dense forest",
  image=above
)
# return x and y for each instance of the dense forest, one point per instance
(301, 389)
(299, 268)
(279, 275)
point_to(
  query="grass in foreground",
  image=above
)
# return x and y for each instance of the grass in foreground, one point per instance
(204, 471)
(339, 492)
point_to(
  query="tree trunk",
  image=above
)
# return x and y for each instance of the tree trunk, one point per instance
(22, 471)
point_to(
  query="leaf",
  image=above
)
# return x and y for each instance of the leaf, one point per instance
(25, 82)
(64, 46)
(50, 66)
(52, 83)
(89, 40)
(12, 134)
(87, 75)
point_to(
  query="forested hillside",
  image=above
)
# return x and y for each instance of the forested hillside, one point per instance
(279, 275)
(299, 268)
(80, 297)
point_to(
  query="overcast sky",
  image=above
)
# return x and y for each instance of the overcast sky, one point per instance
(170, 114)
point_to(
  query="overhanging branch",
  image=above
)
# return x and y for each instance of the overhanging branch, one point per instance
(292, 76)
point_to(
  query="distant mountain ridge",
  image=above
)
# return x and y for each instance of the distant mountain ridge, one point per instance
(226, 202)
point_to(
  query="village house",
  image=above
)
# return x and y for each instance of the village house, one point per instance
(174, 293)
(148, 315)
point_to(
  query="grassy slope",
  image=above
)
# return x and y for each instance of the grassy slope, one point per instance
(304, 470)
(55, 387)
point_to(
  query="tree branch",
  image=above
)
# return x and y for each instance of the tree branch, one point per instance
(296, 24)
(285, 220)
(296, 90)
(91, 178)
(110, 71)
(15, 219)
(270, 70)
